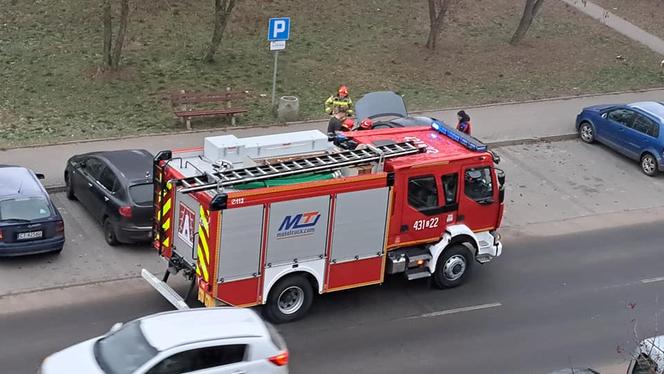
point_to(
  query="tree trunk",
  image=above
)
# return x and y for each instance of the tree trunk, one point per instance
(106, 20)
(122, 32)
(433, 35)
(529, 13)
(437, 11)
(222, 11)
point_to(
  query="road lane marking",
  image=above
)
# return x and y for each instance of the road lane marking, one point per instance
(652, 280)
(457, 310)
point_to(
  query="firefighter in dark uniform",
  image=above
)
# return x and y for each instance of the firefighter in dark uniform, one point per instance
(336, 123)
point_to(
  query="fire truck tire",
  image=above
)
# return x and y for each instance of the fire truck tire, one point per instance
(453, 267)
(109, 233)
(289, 299)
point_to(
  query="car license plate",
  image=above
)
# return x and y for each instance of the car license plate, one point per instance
(29, 235)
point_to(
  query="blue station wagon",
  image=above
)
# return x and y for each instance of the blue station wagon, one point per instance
(635, 130)
(29, 222)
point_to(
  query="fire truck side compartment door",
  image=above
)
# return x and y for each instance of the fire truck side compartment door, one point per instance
(359, 224)
(297, 230)
(186, 218)
(240, 243)
(358, 238)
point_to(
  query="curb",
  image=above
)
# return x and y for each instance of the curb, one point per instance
(294, 123)
(495, 144)
(69, 285)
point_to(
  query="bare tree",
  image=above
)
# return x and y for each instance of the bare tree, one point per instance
(437, 11)
(529, 13)
(108, 30)
(222, 13)
(113, 53)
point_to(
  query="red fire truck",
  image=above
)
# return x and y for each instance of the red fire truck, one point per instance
(275, 219)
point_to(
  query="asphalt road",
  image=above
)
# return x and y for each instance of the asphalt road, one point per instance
(548, 303)
(546, 182)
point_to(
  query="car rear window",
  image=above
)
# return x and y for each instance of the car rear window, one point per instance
(25, 208)
(141, 194)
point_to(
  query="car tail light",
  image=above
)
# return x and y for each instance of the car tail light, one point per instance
(60, 226)
(125, 211)
(1, 237)
(281, 359)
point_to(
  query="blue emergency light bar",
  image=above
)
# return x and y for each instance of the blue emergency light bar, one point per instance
(465, 140)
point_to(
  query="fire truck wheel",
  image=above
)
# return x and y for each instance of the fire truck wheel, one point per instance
(453, 267)
(586, 132)
(109, 233)
(289, 300)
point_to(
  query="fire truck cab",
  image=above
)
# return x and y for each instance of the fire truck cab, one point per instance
(276, 219)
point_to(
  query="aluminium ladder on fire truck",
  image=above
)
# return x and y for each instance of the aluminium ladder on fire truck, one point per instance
(311, 164)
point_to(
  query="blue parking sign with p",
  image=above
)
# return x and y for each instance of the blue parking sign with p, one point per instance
(278, 29)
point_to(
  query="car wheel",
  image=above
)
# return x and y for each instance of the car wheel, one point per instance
(70, 188)
(453, 267)
(289, 300)
(586, 132)
(649, 164)
(109, 233)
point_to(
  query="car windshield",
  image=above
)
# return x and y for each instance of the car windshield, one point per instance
(24, 208)
(141, 194)
(124, 351)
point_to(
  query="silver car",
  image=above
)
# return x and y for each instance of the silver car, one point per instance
(206, 340)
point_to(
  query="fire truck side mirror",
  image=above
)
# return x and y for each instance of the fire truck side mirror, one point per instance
(500, 174)
(495, 157)
(219, 202)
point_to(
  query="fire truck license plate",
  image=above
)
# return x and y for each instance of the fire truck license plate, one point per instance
(29, 235)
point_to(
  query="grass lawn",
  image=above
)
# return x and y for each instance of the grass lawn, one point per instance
(52, 91)
(646, 14)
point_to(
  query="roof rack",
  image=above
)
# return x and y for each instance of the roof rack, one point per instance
(321, 163)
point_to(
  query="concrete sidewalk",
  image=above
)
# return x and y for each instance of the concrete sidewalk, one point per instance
(494, 124)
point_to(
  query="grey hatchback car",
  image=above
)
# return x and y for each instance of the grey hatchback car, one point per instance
(29, 222)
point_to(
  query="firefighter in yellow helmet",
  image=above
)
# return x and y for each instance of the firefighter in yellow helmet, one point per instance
(341, 99)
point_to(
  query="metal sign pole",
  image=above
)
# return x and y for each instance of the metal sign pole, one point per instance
(274, 77)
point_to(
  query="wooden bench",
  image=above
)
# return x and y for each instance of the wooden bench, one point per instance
(185, 105)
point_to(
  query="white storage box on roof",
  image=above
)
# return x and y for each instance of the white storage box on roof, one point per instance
(237, 150)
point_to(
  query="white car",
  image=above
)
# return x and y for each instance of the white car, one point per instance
(204, 341)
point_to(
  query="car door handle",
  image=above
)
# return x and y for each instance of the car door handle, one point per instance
(239, 372)
(105, 198)
(89, 184)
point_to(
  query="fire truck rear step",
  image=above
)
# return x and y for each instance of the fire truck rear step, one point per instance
(165, 290)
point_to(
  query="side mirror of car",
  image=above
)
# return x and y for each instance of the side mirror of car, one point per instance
(40, 176)
(115, 328)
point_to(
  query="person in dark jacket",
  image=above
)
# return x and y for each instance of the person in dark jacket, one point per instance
(336, 122)
(464, 122)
